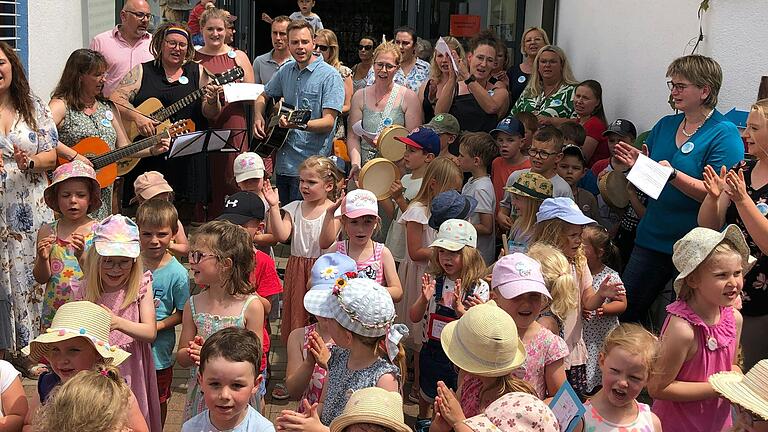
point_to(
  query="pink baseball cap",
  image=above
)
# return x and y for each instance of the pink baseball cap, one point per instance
(359, 202)
(517, 274)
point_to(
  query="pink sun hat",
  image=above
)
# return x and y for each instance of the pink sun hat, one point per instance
(70, 170)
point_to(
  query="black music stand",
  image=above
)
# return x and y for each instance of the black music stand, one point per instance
(205, 142)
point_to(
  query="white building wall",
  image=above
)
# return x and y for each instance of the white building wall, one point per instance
(627, 46)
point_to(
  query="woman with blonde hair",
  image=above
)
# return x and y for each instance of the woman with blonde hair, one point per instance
(533, 38)
(328, 46)
(439, 70)
(549, 92)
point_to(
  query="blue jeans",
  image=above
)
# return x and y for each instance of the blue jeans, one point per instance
(288, 189)
(644, 277)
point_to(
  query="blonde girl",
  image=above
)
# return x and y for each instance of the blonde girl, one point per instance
(302, 222)
(603, 257)
(527, 194)
(626, 360)
(72, 406)
(484, 345)
(439, 72)
(359, 215)
(521, 290)
(559, 223)
(702, 330)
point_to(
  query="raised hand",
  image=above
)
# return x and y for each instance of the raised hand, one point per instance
(611, 288)
(270, 193)
(309, 421)
(195, 345)
(78, 244)
(628, 154)
(396, 189)
(319, 350)
(448, 405)
(714, 183)
(737, 187)
(44, 246)
(427, 286)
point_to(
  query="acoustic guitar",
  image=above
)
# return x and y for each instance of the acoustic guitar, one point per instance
(105, 160)
(275, 135)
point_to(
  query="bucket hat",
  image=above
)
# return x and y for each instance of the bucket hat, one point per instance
(454, 234)
(70, 170)
(450, 205)
(531, 185)
(330, 267)
(748, 390)
(515, 412)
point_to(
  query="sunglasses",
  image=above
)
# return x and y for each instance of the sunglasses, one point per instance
(365, 47)
(323, 48)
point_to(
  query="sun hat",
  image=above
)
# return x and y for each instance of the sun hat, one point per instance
(518, 274)
(150, 184)
(691, 250)
(70, 170)
(515, 412)
(248, 165)
(749, 390)
(444, 123)
(450, 205)
(361, 306)
(510, 126)
(78, 319)
(422, 138)
(531, 185)
(241, 207)
(330, 267)
(116, 235)
(484, 341)
(358, 203)
(562, 208)
(454, 234)
(622, 127)
(373, 405)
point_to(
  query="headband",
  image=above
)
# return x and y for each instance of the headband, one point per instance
(178, 31)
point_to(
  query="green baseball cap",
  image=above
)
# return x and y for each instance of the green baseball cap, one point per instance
(444, 123)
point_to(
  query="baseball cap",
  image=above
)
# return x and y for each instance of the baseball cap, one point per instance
(241, 207)
(150, 184)
(450, 205)
(574, 150)
(422, 138)
(248, 165)
(454, 234)
(444, 123)
(357, 203)
(116, 235)
(517, 274)
(622, 127)
(509, 125)
(562, 208)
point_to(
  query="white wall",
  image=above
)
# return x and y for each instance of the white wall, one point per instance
(627, 46)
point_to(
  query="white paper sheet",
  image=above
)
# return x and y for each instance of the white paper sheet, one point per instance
(193, 143)
(357, 128)
(649, 176)
(442, 47)
(234, 92)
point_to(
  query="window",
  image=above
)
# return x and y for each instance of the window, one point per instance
(13, 26)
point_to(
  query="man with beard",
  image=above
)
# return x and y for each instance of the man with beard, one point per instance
(267, 64)
(126, 45)
(310, 83)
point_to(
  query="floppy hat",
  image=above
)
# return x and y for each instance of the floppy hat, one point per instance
(515, 412)
(241, 207)
(749, 391)
(150, 184)
(517, 274)
(691, 250)
(623, 128)
(357, 203)
(70, 170)
(423, 138)
(116, 235)
(510, 126)
(248, 165)
(450, 205)
(531, 185)
(361, 306)
(372, 405)
(444, 123)
(484, 341)
(562, 208)
(78, 319)
(454, 234)
(330, 267)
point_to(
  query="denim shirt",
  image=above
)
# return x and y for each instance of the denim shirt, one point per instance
(316, 87)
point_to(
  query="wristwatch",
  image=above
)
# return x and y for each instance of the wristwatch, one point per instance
(31, 164)
(470, 80)
(672, 176)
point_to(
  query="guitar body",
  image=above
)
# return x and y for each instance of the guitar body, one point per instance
(147, 107)
(91, 147)
(275, 135)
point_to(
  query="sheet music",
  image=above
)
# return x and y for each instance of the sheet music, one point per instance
(234, 92)
(189, 144)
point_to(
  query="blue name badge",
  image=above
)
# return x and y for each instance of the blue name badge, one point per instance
(567, 408)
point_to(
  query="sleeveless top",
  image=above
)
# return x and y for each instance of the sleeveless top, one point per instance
(594, 422)
(232, 114)
(154, 84)
(469, 113)
(114, 301)
(372, 268)
(373, 119)
(426, 105)
(317, 380)
(717, 348)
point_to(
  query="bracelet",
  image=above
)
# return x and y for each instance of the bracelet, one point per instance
(73, 157)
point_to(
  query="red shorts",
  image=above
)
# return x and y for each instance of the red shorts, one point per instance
(164, 380)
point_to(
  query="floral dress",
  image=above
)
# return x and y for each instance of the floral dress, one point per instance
(544, 349)
(558, 105)
(65, 270)
(317, 381)
(596, 330)
(22, 213)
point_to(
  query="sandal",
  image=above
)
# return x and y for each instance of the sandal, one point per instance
(280, 392)
(414, 396)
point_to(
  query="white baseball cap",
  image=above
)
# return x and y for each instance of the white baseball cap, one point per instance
(454, 234)
(248, 165)
(358, 203)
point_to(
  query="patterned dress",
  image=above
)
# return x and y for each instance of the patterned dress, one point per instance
(78, 125)
(559, 104)
(22, 213)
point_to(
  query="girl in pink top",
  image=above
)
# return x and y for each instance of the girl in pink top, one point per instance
(702, 330)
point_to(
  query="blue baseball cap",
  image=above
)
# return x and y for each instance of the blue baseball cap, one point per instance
(509, 125)
(423, 138)
(562, 208)
(450, 205)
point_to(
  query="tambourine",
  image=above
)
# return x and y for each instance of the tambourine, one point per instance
(613, 189)
(390, 148)
(377, 175)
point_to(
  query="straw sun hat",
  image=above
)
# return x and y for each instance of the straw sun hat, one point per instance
(372, 405)
(78, 319)
(749, 391)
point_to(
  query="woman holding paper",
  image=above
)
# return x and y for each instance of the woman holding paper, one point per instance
(440, 68)
(697, 137)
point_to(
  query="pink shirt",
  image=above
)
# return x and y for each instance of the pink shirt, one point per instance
(121, 56)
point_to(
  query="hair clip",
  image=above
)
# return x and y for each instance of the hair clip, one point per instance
(104, 372)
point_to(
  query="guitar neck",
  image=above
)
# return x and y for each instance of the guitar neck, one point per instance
(164, 114)
(123, 152)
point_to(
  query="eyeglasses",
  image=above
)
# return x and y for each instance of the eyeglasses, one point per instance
(140, 15)
(109, 264)
(677, 86)
(175, 44)
(541, 154)
(386, 66)
(365, 47)
(323, 48)
(196, 256)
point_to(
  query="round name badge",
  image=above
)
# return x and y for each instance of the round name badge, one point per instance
(557, 102)
(109, 115)
(105, 122)
(232, 54)
(712, 343)
(183, 80)
(387, 121)
(762, 208)
(521, 79)
(687, 147)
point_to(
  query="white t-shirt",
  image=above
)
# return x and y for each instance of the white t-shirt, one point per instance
(306, 232)
(8, 374)
(396, 234)
(481, 291)
(481, 189)
(560, 188)
(253, 422)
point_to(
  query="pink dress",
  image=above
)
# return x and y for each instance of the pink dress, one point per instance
(594, 422)
(545, 348)
(372, 268)
(717, 347)
(315, 390)
(471, 387)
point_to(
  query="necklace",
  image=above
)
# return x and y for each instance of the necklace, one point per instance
(385, 95)
(685, 123)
